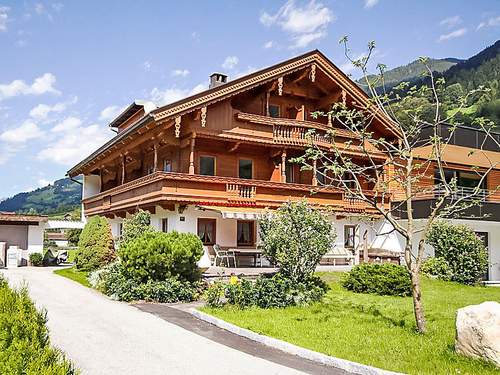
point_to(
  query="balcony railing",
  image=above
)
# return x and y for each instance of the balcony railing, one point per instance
(296, 135)
(466, 194)
(168, 188)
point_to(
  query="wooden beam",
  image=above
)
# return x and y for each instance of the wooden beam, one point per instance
(283, 166)
(191, 155)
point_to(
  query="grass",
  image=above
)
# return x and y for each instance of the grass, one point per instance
(75, 275)
(375, 330)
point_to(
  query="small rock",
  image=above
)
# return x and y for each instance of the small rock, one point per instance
(478, 331)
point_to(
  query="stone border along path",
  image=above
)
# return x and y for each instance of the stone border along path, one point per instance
(338, 363)
(181, 315)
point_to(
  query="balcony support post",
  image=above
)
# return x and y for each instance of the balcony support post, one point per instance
(314, 181)
(123, 168)
(191, 155)
(283, 166)
(268, 94)
(155, 159)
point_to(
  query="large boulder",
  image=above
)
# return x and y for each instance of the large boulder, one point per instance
(478, 331)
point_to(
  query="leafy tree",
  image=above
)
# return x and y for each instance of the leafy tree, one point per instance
(95, 247)
(135, 226)
(400, 172)
(73, 236)
(295, 237)
(461, 249)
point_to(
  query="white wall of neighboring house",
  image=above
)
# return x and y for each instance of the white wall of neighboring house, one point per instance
(35, 238)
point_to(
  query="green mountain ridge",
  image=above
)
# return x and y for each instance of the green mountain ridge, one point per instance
(62, 196)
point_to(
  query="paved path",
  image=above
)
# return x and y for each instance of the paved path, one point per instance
(107, 337)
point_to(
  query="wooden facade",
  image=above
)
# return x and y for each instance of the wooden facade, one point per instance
(229, 145)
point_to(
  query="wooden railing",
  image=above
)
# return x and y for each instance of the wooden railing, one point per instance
(296, 135)
(240, 192)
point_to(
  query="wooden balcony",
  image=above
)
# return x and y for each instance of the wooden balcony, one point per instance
(167, 188)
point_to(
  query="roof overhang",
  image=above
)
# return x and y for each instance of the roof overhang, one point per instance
(462, 155)
(20, 219)
(132, 109)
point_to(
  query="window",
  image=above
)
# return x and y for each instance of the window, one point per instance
(164, 225)
(463, 178)
(245, 235)
(207, 165)
(274, 110)
(289, 171)
(245, 168)
(320, 176)
(120, 229)
(206, 231)
(349, 180)
(150, 169)
(167, 165)
(349, 236)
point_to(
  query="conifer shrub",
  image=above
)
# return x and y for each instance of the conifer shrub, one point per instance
(159, 256)
(385, 279)
(95, 247)
(135, 226)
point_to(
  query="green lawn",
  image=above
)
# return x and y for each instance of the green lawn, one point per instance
(375, 330)
(75, 275)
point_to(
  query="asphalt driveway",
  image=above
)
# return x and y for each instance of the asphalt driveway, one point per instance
(106, 337)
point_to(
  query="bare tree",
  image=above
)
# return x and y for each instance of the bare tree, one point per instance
(388, 173)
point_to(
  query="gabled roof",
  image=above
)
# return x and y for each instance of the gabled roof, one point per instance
(244, 83)
(132, 109)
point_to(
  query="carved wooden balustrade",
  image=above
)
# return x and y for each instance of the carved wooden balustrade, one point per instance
(168, 188)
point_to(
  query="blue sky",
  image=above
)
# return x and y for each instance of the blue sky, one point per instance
(67, 68)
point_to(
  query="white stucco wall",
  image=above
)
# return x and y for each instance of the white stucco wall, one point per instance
(35, 238)
(91, 185)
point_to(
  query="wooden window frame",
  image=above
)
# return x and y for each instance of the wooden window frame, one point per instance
(214, 221)
(346, 231)
(207, 156)
(279, 109)
(164, 228)
(253, 233)
(238, 168)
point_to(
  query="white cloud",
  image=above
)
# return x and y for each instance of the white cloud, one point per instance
(146, 65)
(69, 123)
(268, 44)
(42, 182)
(111, 112)
(230, 62)
(41, 85)
(491, 22)
(41, 111)
(370, 3)
(39, 8)
(179, 73)
(73, 146)
(450, 22)
(173, 94)
(305, 24)
(454, 34)
(26, 131)
(4, 17)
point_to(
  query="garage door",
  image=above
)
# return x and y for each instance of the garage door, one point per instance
(14, 235)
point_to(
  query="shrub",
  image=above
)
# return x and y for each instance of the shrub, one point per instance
(384, 279)
(135, 226)
(295, 237)
(267, 292)
(462, 249)
(24, 339)
(111, 280)
(36, 259)
(437, 268)
(213, 295)
(159, 256)
(73, 236)
(95, 247)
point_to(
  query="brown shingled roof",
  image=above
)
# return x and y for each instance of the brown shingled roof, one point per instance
(13, 217)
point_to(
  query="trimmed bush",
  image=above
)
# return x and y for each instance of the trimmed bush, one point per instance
(111, 280)
(267, 292)
(24, 339)
(73, 236)
(36, 259)
(384, 279)
(136, 226)
(159, 256)
(295, 237)
(95, 247)
(464, 252)
(437, 268)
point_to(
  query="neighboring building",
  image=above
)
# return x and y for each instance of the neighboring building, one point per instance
(59, 238)
(468, 154)
(23, 231)
(211, 163)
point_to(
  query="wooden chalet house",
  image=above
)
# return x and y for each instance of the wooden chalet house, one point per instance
(212, 162)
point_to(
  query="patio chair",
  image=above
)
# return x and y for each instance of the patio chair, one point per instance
(223, 255)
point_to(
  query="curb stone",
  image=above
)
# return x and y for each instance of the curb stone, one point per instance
(311, 355)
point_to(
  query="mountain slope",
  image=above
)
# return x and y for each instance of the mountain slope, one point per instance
(62, 196)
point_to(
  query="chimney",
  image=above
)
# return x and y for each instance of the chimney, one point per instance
(217, 79)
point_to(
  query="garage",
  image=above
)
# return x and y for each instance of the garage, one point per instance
(23, 231)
